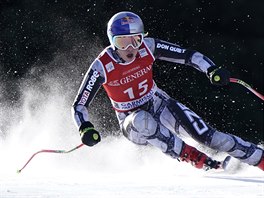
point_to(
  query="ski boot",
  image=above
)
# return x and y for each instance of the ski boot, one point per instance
(261, 163)
(198, 159)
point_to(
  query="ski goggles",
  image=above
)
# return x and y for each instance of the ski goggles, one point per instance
(122, 42)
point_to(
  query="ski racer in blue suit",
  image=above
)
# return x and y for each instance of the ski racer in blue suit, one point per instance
(146, 114)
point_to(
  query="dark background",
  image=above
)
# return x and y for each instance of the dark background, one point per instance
(231, 33)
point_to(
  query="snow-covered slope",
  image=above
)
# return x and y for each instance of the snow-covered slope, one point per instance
(117, 169)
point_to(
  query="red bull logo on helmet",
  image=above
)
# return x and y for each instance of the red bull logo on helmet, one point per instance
(127, 20)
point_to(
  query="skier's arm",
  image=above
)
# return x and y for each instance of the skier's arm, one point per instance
(92, 81)
(170, 52)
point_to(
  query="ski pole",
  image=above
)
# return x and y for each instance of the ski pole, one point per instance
(241, 82)
(48, 151)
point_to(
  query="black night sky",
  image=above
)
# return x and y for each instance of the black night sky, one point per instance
(62, 37)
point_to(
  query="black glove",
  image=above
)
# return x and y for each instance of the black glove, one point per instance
(218, 76)
(89, 135)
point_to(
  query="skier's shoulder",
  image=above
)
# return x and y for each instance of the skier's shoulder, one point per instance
(97, 64)
(106, 51)
(150, 43)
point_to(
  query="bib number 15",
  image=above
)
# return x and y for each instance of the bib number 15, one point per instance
(142, 89)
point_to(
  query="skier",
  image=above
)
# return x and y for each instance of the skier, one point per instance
(146, 114)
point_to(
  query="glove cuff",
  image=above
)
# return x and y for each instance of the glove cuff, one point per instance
(210, 70)
(86, 124)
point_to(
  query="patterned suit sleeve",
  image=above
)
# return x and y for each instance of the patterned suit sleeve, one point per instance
(91, 83)
(170, 52)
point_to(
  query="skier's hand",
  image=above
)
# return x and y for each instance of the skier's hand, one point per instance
(89, 135)
(218, 76)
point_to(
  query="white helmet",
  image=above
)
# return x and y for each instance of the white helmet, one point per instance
(124, 23)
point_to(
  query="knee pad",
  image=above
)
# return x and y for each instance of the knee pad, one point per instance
(144, 123)
(140, 127)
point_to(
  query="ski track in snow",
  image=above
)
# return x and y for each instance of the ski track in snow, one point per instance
(115, 168)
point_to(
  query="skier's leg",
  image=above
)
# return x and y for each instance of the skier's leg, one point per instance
(245, 151)
(140, 127)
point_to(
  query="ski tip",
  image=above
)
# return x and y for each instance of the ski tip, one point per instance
(226, 162)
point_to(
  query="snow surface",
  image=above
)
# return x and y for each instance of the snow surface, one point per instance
(115, 168)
